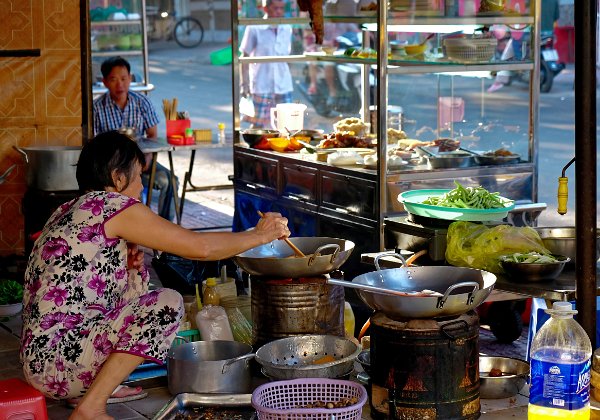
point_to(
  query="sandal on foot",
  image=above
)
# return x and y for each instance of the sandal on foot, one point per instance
(137, 394)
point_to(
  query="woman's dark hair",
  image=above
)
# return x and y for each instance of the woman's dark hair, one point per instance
(107, 153)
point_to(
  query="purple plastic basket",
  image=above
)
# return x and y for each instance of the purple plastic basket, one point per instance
(280, 399)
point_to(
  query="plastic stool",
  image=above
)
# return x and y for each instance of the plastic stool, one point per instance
(18, 400)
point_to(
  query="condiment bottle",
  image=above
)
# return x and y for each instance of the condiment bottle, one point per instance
(221, 127)
(560, 368)
(211, 296)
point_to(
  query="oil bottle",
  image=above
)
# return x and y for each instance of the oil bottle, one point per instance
(560, 368)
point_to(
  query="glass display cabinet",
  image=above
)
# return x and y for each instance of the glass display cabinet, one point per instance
(118, 28)
(425, 73)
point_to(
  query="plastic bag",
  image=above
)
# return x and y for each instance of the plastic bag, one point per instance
(246, 106)
(240, 327)
(213, 323)
(479, 246)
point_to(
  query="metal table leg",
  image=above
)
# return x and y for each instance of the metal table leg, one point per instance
(178, 209)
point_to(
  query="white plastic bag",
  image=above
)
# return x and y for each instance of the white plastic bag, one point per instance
(246, 106)
(213, 323)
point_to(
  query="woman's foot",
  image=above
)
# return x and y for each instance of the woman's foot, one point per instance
(122, 393)
(312, 89)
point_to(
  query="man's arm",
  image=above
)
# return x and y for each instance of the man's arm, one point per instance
(152, 132)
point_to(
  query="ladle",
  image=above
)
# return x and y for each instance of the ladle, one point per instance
(287, 241)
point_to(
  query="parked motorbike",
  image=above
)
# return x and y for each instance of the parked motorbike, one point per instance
(348, 84)
(550, 67)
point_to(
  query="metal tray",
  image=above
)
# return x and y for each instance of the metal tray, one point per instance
(413, 203)
(208, 406)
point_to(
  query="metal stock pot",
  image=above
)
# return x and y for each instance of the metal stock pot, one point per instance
(212, 367)
(51, 168)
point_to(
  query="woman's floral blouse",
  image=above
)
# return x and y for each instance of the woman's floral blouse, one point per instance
(81, 303)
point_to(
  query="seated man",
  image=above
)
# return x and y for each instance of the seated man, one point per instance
(121, 108)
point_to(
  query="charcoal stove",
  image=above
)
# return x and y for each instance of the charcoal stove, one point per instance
(287, 307)
(425, 368)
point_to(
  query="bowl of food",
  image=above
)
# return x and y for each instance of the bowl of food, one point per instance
(414, 49)
(533, 266)
(501, 377)
(279, 144)
(253, 136)
(328, 49)
(562, 240)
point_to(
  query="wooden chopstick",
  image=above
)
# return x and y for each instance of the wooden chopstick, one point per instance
(287, 241)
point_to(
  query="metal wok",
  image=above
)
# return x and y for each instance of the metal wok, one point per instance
(276, 259)
(398, 292)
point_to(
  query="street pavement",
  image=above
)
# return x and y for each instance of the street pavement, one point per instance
(205, 91)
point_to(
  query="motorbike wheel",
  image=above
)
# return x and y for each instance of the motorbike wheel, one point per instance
(546, 77)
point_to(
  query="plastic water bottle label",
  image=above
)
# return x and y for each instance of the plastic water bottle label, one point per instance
(558, 385)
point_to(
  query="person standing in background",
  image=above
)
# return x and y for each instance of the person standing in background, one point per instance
(120, 108)
(332, 31)
(268, 83)
(549, 16)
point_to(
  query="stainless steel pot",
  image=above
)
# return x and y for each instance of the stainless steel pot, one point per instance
(397, 292)
(51, 168)
(219, 367)
(276, 259)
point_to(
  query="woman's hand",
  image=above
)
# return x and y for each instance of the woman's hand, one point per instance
(273, 226)
(135, 257)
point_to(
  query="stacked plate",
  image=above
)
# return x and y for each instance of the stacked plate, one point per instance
(415, 5)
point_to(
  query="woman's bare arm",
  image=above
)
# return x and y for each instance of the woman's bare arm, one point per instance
(138, 224)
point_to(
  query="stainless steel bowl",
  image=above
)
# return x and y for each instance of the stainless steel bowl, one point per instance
(364, 358)
(528, 272)
(562, 240)
(299, 357)
(253, 136)
(514, 376)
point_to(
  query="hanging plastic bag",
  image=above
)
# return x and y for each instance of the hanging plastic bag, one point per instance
(478, 246)
(246, 106)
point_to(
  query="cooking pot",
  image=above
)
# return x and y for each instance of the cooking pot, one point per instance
(444, 160)
(404, 293)
(219, 367)
(276, 259)
(51, 168)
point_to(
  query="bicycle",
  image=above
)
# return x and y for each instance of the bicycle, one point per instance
(187, 31)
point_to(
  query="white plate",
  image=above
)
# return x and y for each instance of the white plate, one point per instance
(359, 150)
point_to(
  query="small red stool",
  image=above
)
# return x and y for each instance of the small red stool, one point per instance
(18, 400)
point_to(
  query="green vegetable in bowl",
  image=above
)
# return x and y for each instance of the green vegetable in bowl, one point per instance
(468, 198)
(10, 292)
(530, 258)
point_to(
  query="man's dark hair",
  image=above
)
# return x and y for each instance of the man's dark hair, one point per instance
(111, 63)
(107, 153)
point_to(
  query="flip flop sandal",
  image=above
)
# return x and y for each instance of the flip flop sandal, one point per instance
(72, 402)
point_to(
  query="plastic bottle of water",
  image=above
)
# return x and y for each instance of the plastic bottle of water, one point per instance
(560, 368)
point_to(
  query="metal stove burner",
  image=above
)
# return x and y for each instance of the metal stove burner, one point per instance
(404, 234)
(430, 222)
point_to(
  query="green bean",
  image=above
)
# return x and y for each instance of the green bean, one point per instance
(468, 197)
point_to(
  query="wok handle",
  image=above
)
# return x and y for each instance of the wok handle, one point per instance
(367, 288)
(470, 298)
(229, 362)
(18, 149)
(317, 253)
(387, 254)
(180, 337)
